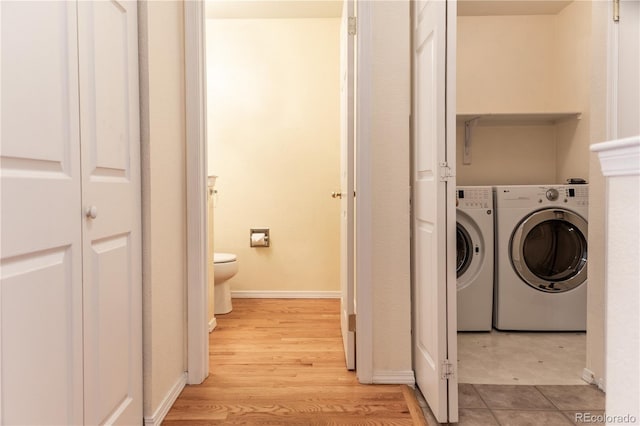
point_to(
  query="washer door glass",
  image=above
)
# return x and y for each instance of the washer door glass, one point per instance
(549, 250)
(464, 250)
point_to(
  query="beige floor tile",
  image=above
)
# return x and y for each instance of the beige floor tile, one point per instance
(476, 417)
(525, 358)
(531, 418)
(468, 397)
(574, 397)
(512, 397)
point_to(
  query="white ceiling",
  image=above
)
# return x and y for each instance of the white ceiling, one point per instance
(265, 9)
(510, 7)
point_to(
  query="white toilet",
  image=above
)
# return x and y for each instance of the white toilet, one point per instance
(225, 266)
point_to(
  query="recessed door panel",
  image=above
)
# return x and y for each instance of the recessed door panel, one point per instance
(41, 344)
(426, 298)
(105, 76)
(39, 87)
(108, 310)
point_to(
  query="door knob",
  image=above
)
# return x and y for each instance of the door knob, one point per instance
(336, 194)
(92, 212)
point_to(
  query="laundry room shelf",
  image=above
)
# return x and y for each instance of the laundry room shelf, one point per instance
(508, 119)
(518, 118)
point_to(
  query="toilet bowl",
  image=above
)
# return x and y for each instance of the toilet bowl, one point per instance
(225, 266)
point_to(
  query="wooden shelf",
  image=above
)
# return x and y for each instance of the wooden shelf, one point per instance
(507, 119)
(510, 7)
(524, 118)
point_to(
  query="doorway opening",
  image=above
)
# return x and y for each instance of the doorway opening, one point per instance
(535, 90)
(274, 129)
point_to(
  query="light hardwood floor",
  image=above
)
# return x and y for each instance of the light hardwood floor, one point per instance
(280, 361)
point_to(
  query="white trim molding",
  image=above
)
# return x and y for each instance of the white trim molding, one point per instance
(394, 378)
(619, 157)
(196, 153)
(249, 294)
(167, 402)
(364, 198)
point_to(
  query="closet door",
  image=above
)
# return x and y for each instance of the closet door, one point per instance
(41, 246)
(110, 139)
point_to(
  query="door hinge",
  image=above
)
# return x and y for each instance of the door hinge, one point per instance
(616, 10)
(353, 25)
(352, 322)
(446, 370)
(445, 171)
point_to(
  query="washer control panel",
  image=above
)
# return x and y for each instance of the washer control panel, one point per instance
(474, 198)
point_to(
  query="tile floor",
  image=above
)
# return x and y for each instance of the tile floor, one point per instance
(522, 379)
(521, 358)
(524, 405)
(520, 405)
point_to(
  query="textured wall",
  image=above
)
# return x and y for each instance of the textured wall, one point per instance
(164, 198)
(274, 142)
(391, 102)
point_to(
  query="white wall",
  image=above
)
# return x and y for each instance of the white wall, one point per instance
(525, 64)
(503, 64)
(163, 199)
(390, 188)
(273, 123)
(572, 58)
(623, 294)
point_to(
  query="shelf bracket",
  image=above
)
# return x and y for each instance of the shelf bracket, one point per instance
(468, 126)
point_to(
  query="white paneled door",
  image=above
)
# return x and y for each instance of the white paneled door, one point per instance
(110, 134)
(346, 195)
(70, 292)
(41, 243)
(434, 280)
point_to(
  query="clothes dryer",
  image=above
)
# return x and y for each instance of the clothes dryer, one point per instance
(474, 259)
(541, 257)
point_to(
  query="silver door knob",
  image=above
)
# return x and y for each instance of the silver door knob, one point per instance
(92, 212)
(336, 194)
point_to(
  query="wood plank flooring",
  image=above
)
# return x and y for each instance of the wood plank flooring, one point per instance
(281, 362)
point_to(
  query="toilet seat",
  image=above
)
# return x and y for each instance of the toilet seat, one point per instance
(223, 257)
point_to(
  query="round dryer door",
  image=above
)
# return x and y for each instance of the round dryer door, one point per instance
(549, 250)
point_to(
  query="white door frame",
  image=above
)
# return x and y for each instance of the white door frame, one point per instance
(364, 194)
(196, 159)
(196, 152)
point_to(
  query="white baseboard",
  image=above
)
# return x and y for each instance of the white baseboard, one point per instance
(394, 378)
(167, 402)
(249, 294)
(590, 377)
(212, 324)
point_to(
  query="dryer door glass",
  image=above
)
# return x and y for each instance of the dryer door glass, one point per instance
(464, 250)
(555, 250)
(549, 250)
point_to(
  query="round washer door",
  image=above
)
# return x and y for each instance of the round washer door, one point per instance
(469, 250)
(549, 250)
(464, 250)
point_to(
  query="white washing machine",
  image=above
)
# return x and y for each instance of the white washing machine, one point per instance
(541, 257)
(474, 259)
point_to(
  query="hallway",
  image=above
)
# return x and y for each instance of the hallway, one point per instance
(281, 361)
